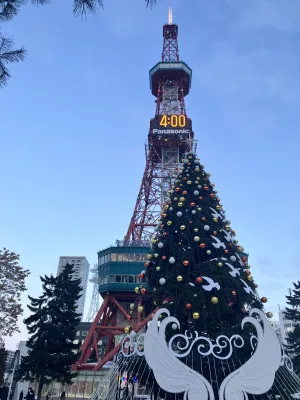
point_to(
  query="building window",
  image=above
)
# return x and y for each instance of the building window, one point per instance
(113, 257)
(118, 278)
(112, 278)
(85, 333)
(130, 279)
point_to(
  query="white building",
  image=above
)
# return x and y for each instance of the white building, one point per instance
(81, 271)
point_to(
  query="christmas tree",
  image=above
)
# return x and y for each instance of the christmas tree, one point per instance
(52, 326)
(197, 269)
(293, 314)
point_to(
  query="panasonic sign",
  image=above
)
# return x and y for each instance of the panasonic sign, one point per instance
(170, 131)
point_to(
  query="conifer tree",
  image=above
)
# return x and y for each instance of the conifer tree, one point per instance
(197, 269)
(53, 325)
(293, 338)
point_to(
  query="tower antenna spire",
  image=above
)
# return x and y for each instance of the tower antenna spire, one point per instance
(170, 13)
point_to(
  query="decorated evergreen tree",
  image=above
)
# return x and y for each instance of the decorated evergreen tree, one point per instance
(199, 272)
(293, 314)
(197, 269)
(53, 325)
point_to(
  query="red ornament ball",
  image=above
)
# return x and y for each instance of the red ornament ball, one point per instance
(192, 204)
(233, 293)
(144, 290)
(188, 306)
(177, 189)
(264, 299)
(184, 192)
(163, 258)
(247, 272)
(147, 264)
(244, 258)
(186, 263)
(199, 279)
(226, 251)
(202, 245)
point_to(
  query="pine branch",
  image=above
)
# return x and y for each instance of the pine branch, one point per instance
(9, 9)
(40, 2)
(150, 3)
(82, 7)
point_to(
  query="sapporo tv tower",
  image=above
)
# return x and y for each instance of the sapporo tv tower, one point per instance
(170, 136)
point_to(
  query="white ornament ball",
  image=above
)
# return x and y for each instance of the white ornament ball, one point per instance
(206, 228)
(196, 192)
(194, 212)
(174, 327)
(171, 260)
(233, 258)
(179, 214)
(162, 281)
(160, 245)
(131, 306)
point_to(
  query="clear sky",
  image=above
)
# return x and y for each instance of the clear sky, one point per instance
(75, 117)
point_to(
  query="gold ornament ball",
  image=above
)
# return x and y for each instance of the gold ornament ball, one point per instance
(196, 315)
(127, 329)
(215, 219)
(179, 278)
(196, 229)
(157, 268)
(136, 290)
(182, 227)
(196, 182)
(149, 256)
(220, 264)
(180, 204)
(140, 309)
(189, 182)
(218, 207)
(182, 199)
(196, 239)
(214, 300)
(169, 223)
(269, 314)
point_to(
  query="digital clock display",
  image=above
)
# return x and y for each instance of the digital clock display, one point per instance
(175, 121)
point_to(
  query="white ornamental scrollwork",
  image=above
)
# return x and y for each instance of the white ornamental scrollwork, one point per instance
(256, 376)
(207, 347)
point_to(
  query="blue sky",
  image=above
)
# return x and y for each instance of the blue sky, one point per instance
(75, 117)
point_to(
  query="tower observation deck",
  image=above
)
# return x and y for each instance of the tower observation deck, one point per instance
(170, 136)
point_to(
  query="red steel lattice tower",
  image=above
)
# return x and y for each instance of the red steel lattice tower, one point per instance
(170, 136)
